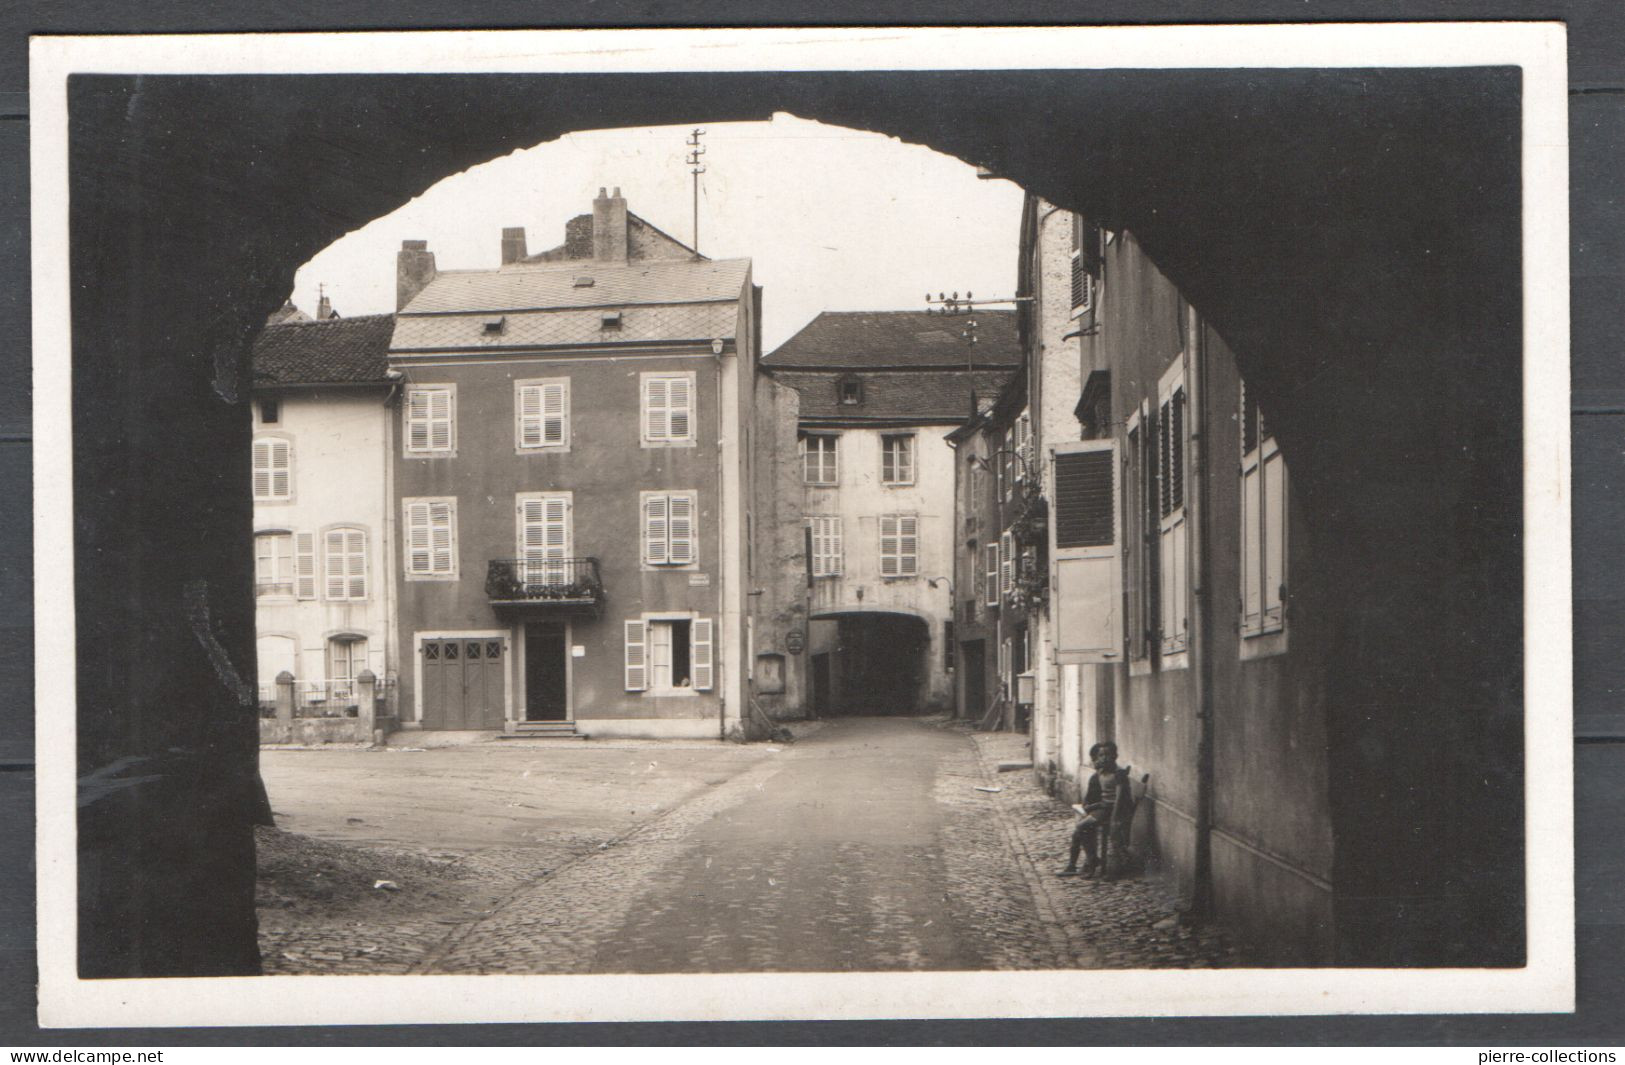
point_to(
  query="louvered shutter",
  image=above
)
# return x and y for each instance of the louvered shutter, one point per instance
(637, 657)
(833, 547)
(417, 420)
(656, 408)
(440, 420)
(530, 416)
(682, 403)
(356, 549)
(1173, 532)
(908, 545)
(419, 558)
(656, 530)
(262, 469)
(304, 565)
(281, 469)
(992, 556)
(1252, 543)
(1088, 599)
(336, 566)
(701, 654)
(680, 516)
(888, 545)
(1274, 519)
(555, 414)
(1007, 563)
(441, 538)
(556, 537)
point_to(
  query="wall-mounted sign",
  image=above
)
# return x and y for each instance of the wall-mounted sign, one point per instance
(578, 651)
(794, 642)
(699, 580)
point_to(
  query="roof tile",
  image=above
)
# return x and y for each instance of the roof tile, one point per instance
(539, 286)
(900, 338)
(335, 351)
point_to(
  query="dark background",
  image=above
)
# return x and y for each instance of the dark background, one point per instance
(1597, 119)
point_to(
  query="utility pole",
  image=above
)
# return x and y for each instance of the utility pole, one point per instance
(945, 304)
(696, 169)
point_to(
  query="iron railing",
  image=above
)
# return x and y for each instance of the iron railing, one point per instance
(540, 581)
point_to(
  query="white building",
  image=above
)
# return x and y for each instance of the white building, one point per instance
(878, 393)
(323, 529)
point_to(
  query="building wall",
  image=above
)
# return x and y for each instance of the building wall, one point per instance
(340, 455)
(604, 469)
(780, 562)
(860, 499)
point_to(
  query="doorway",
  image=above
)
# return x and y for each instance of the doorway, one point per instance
(464, 686)
(973, 667)
(821, 685)
(547, 671)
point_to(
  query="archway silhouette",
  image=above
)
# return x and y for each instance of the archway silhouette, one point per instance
(1354, 235)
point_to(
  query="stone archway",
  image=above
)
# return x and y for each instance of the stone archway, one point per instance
(1354, 235)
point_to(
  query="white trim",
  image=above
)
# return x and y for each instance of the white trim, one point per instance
(406, 532)
(646, 563)
(272, 437)
(429, 451)
(541, 385)
(666, 438)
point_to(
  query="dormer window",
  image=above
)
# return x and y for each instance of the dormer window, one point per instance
(850, 391)
(493, 327)
(583, 282)
(609, 320)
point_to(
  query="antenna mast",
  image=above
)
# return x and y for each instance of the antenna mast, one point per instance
(696, 168)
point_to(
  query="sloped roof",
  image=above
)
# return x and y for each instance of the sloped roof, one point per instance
(532, 329)
(858, 339)
(550, 286)
(335, 351)
(893, 396)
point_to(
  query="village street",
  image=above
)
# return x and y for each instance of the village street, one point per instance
(864, 845)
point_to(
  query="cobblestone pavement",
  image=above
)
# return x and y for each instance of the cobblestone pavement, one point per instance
(865, 847)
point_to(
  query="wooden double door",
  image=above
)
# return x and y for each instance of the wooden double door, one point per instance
(464, 681)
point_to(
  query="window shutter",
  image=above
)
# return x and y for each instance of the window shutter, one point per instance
(440, 420)
(701, 654)
(418, 556)
(1088, 599)
(356, 548)
(262, 469)
(417, 420)
(655, 530)
(888, 545)
(992, 556)
(836, 550)
(333, 548)
(555, 414)
(637, 657)
(530, 415)
(1274, 518)
(908, 545)
(441, 538)
(1252, 501)
(680, 515)
(681, 400)
(1007, 562)
(655, 406)
(304, 565)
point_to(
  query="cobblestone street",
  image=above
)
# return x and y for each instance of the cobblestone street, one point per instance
(864, 846)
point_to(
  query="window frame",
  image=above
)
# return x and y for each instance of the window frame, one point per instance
(834, 458)
(348, 578)
(549, 575)
(828, 545)
(453, 545)
(898, 556)
(271, 537)
(540, 385)
(891, 446)
(666, 560)
(691, 410)
(639, 659)
(429, 451)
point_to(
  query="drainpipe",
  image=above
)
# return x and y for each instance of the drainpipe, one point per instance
(1196, 370)
(722, 565)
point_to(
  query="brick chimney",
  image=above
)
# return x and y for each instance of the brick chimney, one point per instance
(609, 227)
(324, 308)
(414, 269)
(513, 245)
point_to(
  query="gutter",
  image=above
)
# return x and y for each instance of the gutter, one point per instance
(1202, 645)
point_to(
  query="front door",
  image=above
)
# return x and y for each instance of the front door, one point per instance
(463, 682)
(973, 667)
(821, 685)
(547, 678)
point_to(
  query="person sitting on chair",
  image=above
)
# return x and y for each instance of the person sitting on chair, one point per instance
(1108, 799)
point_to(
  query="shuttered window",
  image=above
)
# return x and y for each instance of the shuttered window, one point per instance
(273, 469)
(666, 655)
(544, 537)
(1087, 598)
(542, 414)
(668, 408)
(899, 545)
(992, 574)
(703, 655)
(431, 538)
(1263, 524)
(431, 416)
(827, 549)
(1007, 563)
(345, 552)
(669, 529)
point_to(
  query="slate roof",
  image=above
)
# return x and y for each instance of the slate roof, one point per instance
(531, 329)
(548, 286)
(898, 396)
(335, 351)
(857, 339)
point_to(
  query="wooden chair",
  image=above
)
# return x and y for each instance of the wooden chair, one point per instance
(1114, 842)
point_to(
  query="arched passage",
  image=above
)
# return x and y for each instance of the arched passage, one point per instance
(870, 663)
(1354, 235)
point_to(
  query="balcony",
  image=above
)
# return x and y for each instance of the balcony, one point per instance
(553, 586)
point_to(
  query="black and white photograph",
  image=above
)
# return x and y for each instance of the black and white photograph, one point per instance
(760, 524)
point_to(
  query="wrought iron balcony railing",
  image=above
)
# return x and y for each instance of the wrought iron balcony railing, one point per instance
(565, 582)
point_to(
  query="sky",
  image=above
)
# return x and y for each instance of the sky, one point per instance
(834, 219)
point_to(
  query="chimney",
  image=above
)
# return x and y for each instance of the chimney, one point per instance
(324, 308)
(414, 269)
(513, 245)
(609, 227)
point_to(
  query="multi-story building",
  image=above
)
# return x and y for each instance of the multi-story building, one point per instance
(574, 442)
(877, 392)
(324, 610)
